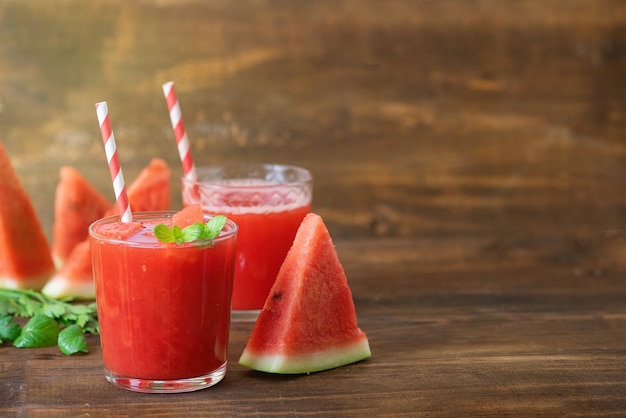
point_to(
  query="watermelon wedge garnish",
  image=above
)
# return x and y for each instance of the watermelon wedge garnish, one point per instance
(308, 323)
(188, 216)
(25, 258)
(119, 230)
(77, 204)
(150, 191)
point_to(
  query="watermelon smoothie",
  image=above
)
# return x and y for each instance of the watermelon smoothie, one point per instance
(268, 202)
(163, 308)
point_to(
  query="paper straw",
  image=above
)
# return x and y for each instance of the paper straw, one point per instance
(114, 162)
(189, 169)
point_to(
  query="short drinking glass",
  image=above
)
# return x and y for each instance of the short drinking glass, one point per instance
(268, 203)
(163, 308)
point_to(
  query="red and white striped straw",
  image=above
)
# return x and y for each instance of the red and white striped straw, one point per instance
(189, 169)
(114, 162)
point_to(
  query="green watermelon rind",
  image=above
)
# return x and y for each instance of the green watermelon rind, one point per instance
(286, 340)
(60, 286)
(31, 282)
(66, 283)
(315, 361)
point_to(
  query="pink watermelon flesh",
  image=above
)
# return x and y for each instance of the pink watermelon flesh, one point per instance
(188, 216)
(25, 256)
(150, 191)
(308, 323)
(75, 278)
(77, 204)
(119, 230)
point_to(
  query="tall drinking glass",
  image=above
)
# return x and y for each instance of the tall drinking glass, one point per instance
(268, 203)
(163, 308)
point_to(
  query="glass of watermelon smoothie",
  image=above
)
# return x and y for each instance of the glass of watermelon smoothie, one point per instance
(163, 308)
(268, 202)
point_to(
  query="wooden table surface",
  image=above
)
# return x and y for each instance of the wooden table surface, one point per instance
(469, 160)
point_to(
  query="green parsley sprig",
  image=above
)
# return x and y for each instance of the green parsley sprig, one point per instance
(51, 321)
(195, 232)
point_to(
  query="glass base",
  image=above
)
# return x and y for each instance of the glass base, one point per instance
(166, 386)
(244, 316)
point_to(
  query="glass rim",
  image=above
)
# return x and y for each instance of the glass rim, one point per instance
(229, 233)
(304, 176)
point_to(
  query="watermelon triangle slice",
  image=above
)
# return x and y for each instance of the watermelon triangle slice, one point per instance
(308, 323)
(74, 279)
(150, 191)
(77, 204)
(189, 215)
(25, 258)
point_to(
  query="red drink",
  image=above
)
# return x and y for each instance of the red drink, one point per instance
(268, 203)
(163, 308)
(260, 259)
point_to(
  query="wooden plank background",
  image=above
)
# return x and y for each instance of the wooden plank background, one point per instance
(469, 160)
(417, 118)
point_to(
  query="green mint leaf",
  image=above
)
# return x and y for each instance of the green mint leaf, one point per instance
(20, 302)
(164, 233)
(9, 304)
(190, 233)
(193, 232)
(9, 330)
(82, 315)
(72, 340)
(39, 331)
(27, 303)
(53, 310)
(30, 306)
(178, 234)
(214, 227)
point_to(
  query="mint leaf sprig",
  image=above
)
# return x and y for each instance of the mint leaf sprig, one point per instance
(43, 331)
(27, 303)
(195, 232)
(72, 340)
(9, 330)
(51, 321)
(39, 331)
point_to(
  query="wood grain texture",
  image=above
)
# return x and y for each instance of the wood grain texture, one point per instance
(469, 160)
(434, 118)
(453, 332)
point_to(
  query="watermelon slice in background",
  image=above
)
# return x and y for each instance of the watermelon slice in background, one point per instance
(74, 279)
(77, 204)
(308, 323)
(150, 191)
(25, 257)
